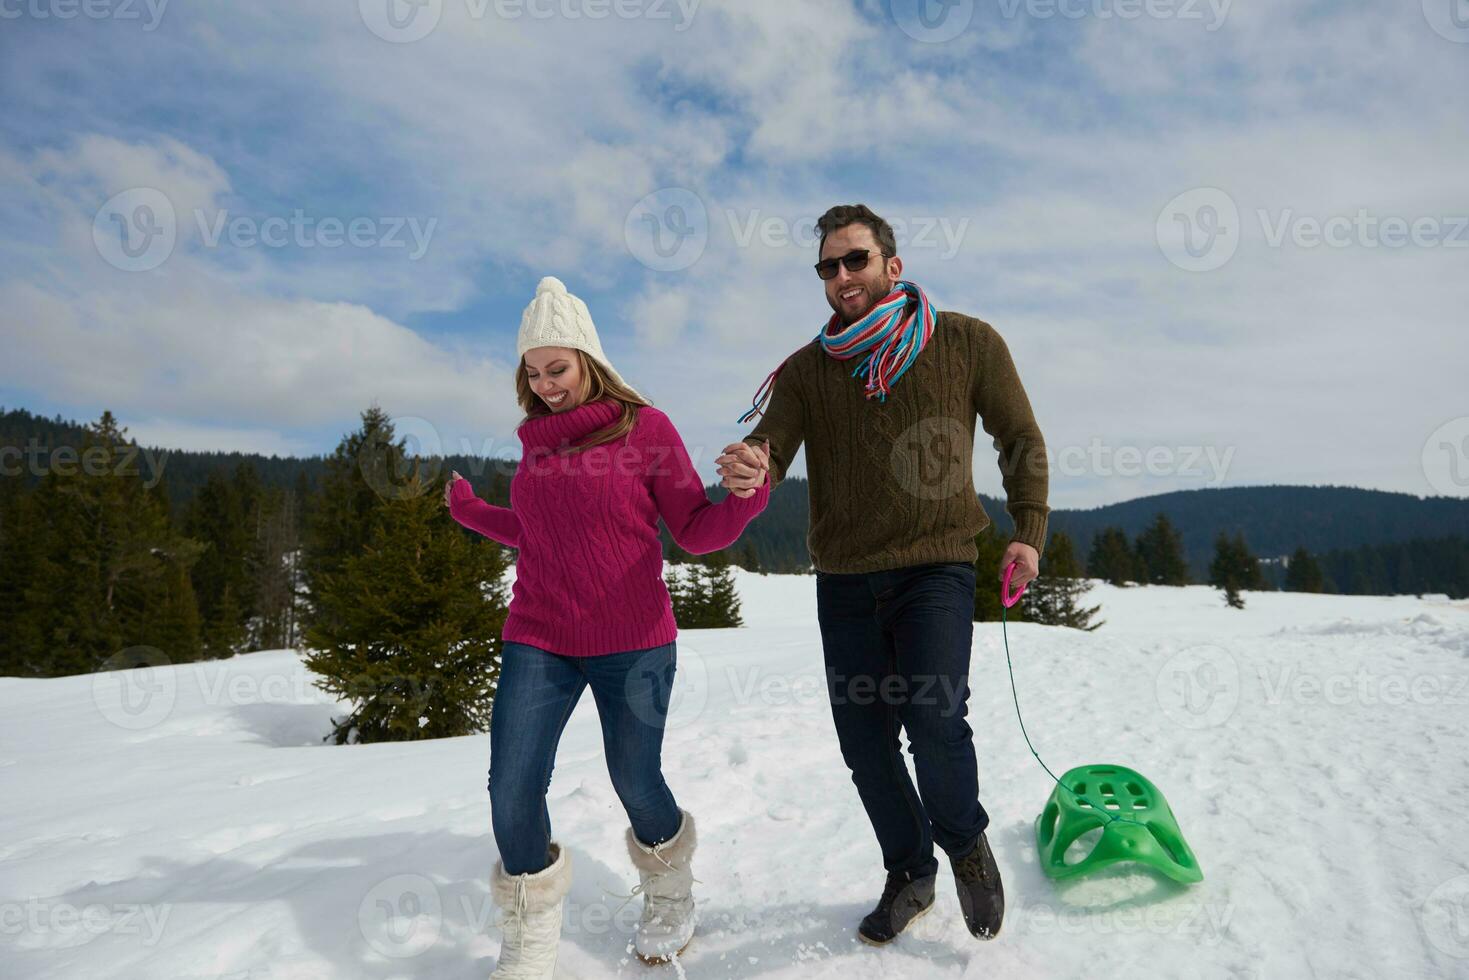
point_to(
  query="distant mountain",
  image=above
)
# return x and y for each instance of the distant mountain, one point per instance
(1274, 519)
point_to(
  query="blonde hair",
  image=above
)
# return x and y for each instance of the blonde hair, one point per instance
(596, 384)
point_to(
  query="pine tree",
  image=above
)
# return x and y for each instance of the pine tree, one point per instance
(305, 494)
(1112, 558)
(219, 515)
(358, 477)
(1406, 580)
(1255, 579)
(225, 633)
(174, 627)
(1377, 573)
(1356, 579)
(1303, 574)
(274, 569)
(1224, 572)
(1159, 553)
(723, 600)
(409, 629)
(714, 559)
(680, 596)
(704, 596)
(1421, 565)
(1234, 569)
(160, 609)
(107, 570)
(22, 541)
(1054, 598)
(745, 556)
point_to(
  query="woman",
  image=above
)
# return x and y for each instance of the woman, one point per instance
(589, 607)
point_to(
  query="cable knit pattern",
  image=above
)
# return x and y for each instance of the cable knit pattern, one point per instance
(892, 481)
(589, 579)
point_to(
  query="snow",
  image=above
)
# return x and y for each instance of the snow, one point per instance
(187, 821)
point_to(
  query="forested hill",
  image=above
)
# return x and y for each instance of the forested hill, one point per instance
(1275, 520)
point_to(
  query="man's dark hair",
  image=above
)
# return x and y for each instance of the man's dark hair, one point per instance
(852, 214)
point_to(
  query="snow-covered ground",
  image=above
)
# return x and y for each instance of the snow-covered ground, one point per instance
(187, 821)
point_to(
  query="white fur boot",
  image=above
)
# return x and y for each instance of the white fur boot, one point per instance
(667, 884)
(531, 904)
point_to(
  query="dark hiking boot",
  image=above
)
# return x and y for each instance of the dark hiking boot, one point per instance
(981, 896)
(904, 899)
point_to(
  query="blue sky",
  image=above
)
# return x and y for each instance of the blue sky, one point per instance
(1132, 194)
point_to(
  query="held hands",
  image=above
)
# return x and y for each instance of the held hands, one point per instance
(744, 467)
(449, 486)
(1027, 568)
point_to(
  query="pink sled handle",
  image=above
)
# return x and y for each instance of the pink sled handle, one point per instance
(1005, 596)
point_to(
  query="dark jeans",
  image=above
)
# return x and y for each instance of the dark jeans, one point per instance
(535, 698)
(897, 648)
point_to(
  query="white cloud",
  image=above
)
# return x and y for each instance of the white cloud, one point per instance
(93, 162)
(529, 141)
(659, 316)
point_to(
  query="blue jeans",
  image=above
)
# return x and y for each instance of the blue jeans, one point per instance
(897, 648)
(536, 694)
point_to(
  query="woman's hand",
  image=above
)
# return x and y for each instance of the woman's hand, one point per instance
(744, 467)
(449, 486)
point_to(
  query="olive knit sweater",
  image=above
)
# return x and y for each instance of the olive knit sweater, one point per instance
(892, 481)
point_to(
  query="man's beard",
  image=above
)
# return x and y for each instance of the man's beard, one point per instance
(878, 292)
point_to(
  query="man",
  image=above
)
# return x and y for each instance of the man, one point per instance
(894, 515)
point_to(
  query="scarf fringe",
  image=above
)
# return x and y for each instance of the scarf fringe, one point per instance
(891, 335)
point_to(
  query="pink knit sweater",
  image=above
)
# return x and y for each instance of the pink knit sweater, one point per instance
(589, 577)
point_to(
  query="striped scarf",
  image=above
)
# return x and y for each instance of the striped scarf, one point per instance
(892, 335)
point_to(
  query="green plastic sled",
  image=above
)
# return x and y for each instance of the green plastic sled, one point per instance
(1138, 825)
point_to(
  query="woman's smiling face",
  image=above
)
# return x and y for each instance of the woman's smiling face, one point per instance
(555, 375)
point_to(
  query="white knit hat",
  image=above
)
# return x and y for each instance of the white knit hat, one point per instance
(556, 318)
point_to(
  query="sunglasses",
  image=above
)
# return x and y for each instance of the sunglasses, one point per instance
(855, 261)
